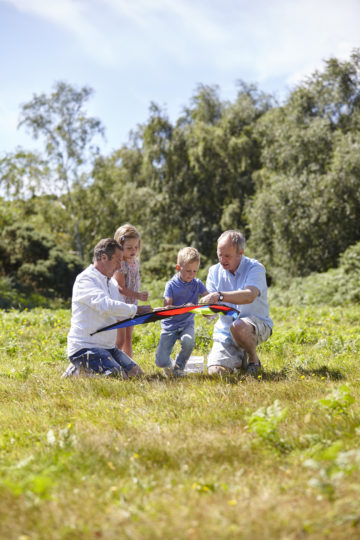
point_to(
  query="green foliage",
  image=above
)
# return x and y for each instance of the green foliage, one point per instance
(307, 200)
(265, 423)
(177, 183)
(162, 265)
(60, 120)
(287, 174)
(330, 467)
(35, 264)
(336, 287)
(339, 400)
(12, 297)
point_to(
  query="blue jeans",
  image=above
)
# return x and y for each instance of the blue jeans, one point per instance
(186, 336)
(103, 361)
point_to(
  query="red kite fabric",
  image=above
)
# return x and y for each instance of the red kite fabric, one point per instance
(164, 313)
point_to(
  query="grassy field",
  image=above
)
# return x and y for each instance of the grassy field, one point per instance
(277, 457)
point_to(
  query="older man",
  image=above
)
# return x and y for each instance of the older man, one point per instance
(96, 303)
(240, 282)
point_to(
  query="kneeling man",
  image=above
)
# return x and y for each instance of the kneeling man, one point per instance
(240, 282)
(96, 303)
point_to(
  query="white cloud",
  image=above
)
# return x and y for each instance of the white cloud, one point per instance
(269, 38)
(74, 17)
(137, 51)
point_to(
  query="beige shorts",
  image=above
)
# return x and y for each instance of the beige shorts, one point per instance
(229, 355)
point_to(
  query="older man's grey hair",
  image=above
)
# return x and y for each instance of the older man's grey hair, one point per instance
(236, 237)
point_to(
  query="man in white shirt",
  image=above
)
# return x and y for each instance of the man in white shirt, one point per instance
(239, 282)
(96, 302)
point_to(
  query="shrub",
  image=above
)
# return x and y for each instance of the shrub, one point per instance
(35, 264)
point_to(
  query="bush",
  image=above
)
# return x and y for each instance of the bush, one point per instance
(35, 264)
(336, 287)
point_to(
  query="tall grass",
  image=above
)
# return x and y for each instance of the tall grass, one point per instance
(273, 457)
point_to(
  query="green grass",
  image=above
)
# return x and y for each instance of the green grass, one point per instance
(276, 457)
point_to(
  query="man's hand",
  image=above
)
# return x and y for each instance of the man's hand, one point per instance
(141, 310)
(211, 298)
(143, 296)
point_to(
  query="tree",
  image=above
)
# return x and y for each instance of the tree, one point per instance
(181, 184)
(60, 120)
(306, 206)
(214, 153)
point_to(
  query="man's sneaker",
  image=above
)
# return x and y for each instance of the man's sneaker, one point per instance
(71, 371)
(253, 368)
(245, 361)
(78, 370)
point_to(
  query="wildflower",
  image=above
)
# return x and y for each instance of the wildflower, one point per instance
(51, 439)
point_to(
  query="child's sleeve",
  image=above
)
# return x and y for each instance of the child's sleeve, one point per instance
(168, 291)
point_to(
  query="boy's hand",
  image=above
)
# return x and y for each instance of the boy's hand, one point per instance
(141, 310)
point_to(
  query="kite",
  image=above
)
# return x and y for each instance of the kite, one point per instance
(164, 313)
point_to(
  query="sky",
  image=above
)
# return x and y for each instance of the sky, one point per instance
(134, 52)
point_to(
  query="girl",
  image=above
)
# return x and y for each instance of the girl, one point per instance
(128, 279)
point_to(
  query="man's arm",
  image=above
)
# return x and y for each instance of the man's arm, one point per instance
(88, 292)
(244, 296)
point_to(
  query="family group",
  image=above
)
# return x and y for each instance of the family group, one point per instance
(109, 290)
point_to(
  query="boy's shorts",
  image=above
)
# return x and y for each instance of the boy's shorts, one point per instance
(227, 354)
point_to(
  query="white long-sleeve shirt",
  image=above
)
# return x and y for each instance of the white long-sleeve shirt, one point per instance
(96, 302)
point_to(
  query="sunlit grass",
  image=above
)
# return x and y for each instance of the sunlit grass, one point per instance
(271, 457)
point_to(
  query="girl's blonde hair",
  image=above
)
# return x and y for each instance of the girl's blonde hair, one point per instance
(125, 232)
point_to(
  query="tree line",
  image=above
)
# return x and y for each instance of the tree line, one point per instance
(287, 174)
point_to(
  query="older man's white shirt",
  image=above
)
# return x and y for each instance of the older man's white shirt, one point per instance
(96, 302)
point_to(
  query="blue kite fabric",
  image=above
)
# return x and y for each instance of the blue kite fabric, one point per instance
(164, 313)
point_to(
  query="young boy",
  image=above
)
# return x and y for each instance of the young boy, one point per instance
(183, 288)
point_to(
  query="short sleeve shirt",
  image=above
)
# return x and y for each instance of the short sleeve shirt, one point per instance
(250, 272)
(182, 292)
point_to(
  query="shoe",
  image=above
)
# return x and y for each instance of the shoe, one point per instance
(253, 368)
(169, 370)
(71, 371)
(179, 372)
(245, 360)
(78, 370)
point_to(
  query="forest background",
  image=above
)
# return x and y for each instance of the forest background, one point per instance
(287, 174)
